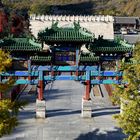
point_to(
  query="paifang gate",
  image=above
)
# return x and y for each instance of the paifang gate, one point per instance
(60, 49)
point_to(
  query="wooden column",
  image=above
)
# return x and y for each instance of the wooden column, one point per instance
(0, 95)
(88, 86)
(52, 73)
(77, 56)
(0, 92)
(40, 86)
(29, 69)
(76, 73)
(77, 61)
(99, 69)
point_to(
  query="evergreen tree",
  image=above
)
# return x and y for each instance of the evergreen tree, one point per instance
(39, 7)
(8, 109)
(128, 96)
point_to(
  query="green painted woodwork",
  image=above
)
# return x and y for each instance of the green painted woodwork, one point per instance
(114, 46)
(89, 58)
(112, 49)
(66, 34)
(20, 44)
(41, 58)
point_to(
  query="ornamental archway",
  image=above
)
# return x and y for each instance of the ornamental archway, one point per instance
(99, 66)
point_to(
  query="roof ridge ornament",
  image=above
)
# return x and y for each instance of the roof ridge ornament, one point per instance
(76, 25)
(54, 25)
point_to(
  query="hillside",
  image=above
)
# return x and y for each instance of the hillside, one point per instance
(111, 7)
(121, 7)
(84, 7)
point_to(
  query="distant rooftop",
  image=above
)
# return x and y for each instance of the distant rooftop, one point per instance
(127, 20)
(132, 39)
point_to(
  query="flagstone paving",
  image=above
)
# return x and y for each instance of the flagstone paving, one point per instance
(63, 120)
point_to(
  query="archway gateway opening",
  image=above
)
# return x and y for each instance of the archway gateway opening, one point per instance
(98, 65)
(63, 98)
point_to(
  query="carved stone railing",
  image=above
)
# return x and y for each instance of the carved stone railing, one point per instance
(100, 18)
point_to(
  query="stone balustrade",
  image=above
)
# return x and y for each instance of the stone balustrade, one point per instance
(98, 24)
(99, 18)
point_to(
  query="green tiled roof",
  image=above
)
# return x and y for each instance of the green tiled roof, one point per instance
(89, 58)
(41, 58)
(20, 44)
(76, 34)
(112, 49)
(102, 45)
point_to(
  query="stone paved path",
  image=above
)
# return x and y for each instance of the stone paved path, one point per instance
(63, 120)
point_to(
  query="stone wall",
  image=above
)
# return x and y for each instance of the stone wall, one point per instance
(99, 25)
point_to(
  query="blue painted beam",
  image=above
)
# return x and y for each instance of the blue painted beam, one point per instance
(35, 82)
(65, 48)
(23, 81)
(15, 73)
(68, 77)
(88, 75)
(65, 68)
(61, 77)
(20, 73)
(36, 73)
(111, 73)
(41, 75)
(107, 81)
(106, 73)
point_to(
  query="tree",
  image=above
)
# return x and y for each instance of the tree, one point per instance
(8, 109)
(39, 7)
(5, 61)
(128, 95)
(6, 121)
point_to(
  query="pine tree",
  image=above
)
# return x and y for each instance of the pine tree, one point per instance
(128, 96)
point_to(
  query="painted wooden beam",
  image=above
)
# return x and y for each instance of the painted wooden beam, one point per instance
(35, 82)
(36, 73)
(65, 68)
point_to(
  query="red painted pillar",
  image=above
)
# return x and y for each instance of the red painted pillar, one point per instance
(76, 73)
(40, 86)
(1, 22)
(0, 92)
(99, 77)
(47, 73)
(29, 69)
(0, 95)
(13, 94)
(29, 77)
(0, 28)
(13, 30)
(18, 88)
(117, 77)
(74, 59)
(88, 86)
(52, 73)
(87, 93)
(40, 94)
